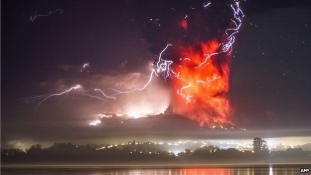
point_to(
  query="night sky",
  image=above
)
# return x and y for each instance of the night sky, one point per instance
(270, 78)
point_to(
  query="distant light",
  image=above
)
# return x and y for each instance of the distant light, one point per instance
(95, 123)
(176, 152)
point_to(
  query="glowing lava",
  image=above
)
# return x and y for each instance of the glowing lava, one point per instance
(184, 23)
(202, 89)
(202, 76)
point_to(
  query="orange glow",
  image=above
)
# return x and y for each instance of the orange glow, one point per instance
(209, 171)
(184, 24)
(202, 90)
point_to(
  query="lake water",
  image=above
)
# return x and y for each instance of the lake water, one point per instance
(264, 170)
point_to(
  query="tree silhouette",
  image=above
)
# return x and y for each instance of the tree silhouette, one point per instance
(146, 153)
(260, 146)
(34, 149)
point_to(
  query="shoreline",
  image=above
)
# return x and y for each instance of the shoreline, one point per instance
(46, 167)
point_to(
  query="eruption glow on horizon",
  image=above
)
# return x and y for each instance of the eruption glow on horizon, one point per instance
(200, 78)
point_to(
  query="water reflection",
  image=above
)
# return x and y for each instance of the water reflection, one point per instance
(203, 171)
(268, 170)
(212, 171)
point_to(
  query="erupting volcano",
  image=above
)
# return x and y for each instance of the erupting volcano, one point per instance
(202, 72)
(198, 67)
(202, 88)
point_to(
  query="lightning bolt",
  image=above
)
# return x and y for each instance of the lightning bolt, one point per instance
(203, 81)
(42, 98)
(225, 47)
(85, 65)
(163, 66)
(35, 16)
(207, 4)
(106, 96)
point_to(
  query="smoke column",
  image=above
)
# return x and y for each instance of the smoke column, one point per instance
(202, 75)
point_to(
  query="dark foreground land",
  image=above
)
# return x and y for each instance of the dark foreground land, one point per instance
(148, 154)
